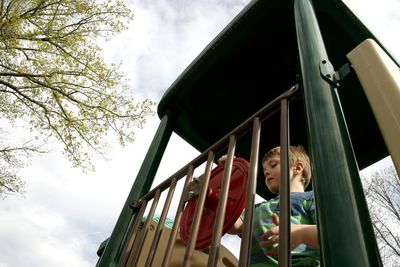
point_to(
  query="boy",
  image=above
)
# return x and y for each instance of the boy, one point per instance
(304, 235)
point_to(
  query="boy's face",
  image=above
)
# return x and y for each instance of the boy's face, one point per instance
(272, 173)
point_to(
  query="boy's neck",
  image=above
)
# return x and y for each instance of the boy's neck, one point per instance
(296, 187)
(296, 184)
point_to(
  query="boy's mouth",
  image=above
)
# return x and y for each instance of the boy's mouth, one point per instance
(270, 179)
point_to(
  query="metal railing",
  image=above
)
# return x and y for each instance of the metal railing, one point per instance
(136, 241)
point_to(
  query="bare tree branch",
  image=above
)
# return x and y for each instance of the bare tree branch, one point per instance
(382, 191)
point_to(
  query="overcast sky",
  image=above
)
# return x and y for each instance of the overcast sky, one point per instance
(66, 214)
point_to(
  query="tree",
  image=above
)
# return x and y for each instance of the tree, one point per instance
(382, 190)
(54, 82)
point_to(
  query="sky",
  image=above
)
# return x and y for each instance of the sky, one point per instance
(66, 213)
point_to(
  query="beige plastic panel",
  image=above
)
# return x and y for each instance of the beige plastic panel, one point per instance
(200, 257)
(380, 79)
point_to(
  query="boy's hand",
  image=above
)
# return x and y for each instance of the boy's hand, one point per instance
(222, 159)
(300, 234)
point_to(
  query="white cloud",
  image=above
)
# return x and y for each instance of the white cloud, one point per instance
(36, 236)
(67, 214)
(382, 18)
(164, 37)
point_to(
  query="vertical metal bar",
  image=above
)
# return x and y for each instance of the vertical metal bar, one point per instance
(336, 178)
(223, 198)
(137, 248)
(247, 232)
(284, 189)
(174, 232)
(199, 210)
(115, 247)
(160, 225)
(134, 232)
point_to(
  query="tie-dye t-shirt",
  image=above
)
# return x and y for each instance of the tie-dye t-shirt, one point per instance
(302, 212)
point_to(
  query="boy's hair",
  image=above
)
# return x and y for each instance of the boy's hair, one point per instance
(296, 154)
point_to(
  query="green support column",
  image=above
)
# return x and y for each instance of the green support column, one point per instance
(144, 179)
(345, 229)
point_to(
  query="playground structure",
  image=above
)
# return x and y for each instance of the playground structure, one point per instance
(281, 73)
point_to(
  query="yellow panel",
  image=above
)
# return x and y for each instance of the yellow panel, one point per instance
(380, 79)
(200, 257)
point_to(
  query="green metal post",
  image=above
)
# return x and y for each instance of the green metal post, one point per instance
(114, 250)
(345, 230)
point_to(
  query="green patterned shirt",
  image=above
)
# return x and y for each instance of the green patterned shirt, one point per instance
(302, 212)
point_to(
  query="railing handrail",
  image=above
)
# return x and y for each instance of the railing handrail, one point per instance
(264, 113)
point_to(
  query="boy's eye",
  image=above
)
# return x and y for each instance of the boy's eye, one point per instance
(273, 165)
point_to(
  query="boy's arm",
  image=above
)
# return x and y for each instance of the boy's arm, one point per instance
(305, 234)
(300, 234)
(236, 229)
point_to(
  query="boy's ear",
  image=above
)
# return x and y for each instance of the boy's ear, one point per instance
(298, 167)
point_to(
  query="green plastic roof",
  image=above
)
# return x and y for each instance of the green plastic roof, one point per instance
(254, 60)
